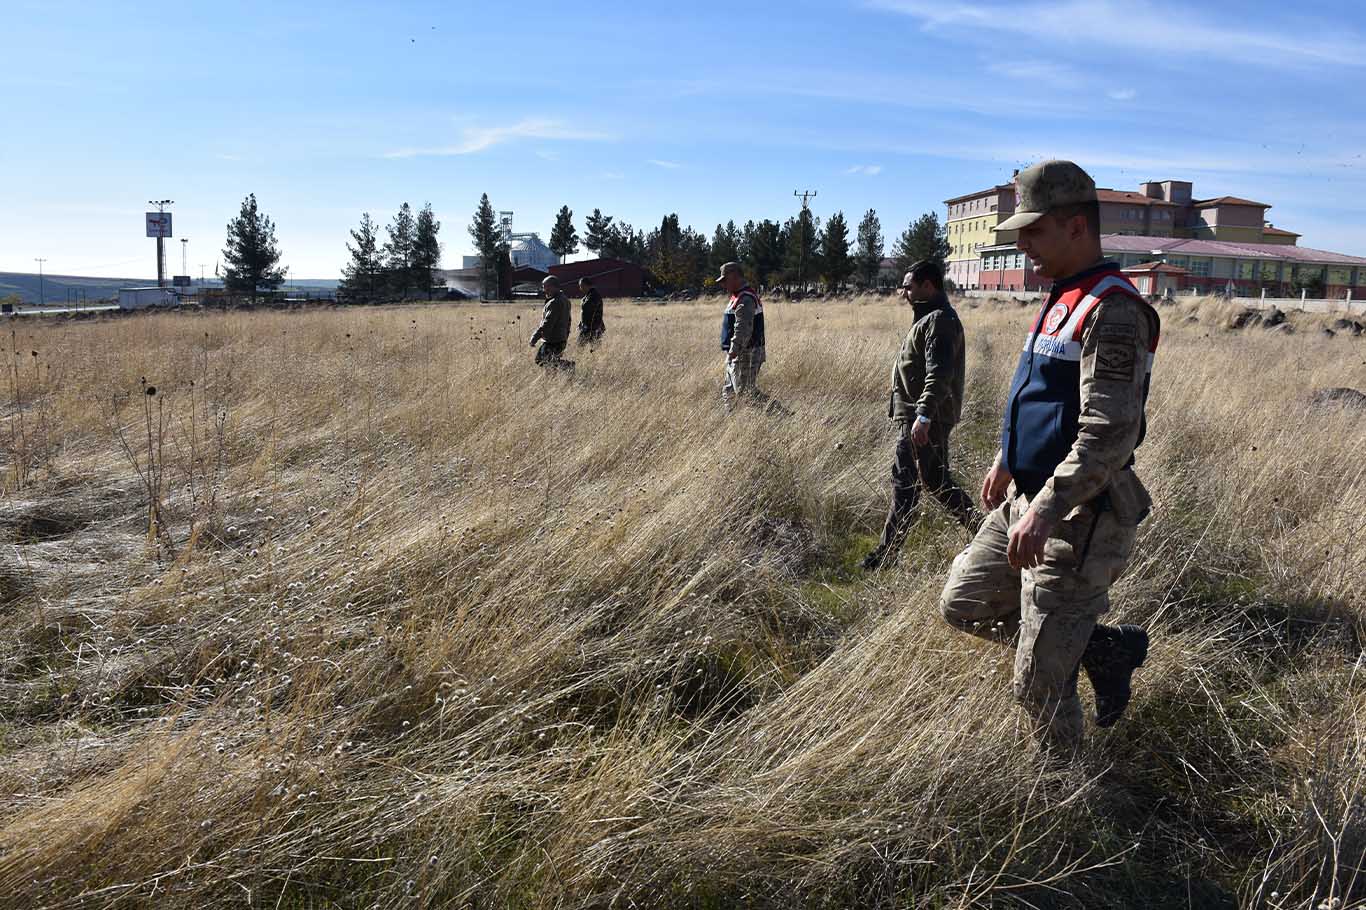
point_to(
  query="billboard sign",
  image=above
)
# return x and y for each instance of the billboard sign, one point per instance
(158, 224)
(180, 281)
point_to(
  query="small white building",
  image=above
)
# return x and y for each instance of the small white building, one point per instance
(141, 298)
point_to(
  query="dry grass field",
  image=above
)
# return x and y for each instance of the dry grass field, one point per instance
(360, 609)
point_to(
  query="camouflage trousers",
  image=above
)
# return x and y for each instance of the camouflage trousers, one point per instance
(742, 377)
(1048, 612)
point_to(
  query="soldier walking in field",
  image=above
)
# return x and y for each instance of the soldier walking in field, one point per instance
(591, 327)
(1065, 501)
(553, 332)
(742, 337)
(926, 403)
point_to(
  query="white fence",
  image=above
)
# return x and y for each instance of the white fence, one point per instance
(1304, 304)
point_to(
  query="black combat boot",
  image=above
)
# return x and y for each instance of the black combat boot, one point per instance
(1110, 659)
(875, 560)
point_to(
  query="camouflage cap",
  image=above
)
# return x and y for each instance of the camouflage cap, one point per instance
(1047, 185)
(728, 269)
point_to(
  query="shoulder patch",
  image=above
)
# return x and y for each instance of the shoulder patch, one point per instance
(1115, 361)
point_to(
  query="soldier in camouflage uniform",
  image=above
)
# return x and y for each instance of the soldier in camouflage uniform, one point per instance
(742, 337)
(1066, 502)
(926, 403)
(553, 332)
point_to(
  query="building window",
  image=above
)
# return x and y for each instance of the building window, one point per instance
(1200, 267)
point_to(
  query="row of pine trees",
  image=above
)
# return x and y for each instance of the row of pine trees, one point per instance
(799, 252)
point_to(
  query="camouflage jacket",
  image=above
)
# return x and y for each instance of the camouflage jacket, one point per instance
(554, 327)
(928, 377)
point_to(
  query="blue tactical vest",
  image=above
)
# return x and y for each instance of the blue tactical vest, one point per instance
(1043, 412)
(756, 340)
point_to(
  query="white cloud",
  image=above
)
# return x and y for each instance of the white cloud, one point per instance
(480, 138)
(1035, 71)
(1122, 94)
(668, 165)
(1120, 25)
(867, 170)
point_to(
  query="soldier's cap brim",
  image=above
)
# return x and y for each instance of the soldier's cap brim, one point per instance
(1019, 220)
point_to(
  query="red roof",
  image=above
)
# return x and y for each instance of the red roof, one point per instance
(1279, 232)
(1135, 243)
(1229, 200)
(1157, 267)
(989, 192)
(1124, 196)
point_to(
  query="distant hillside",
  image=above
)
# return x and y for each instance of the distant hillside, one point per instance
(76, 288)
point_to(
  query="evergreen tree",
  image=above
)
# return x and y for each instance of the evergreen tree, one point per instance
(801, 236)
(837, 266)
(868, 257)
(251, 256)
(663, 252)
(626, 243)
(924, 239)
(399, 250)
(764, 253)
(564, 239)
(599, 234)
(725, 246)
(364, 274)
(426, 248)
(484, 232)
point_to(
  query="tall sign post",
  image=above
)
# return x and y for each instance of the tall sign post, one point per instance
(159, 226)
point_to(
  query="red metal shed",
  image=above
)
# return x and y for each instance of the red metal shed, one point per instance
(612, 277)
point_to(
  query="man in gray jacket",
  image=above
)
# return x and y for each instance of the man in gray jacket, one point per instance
(553, 332)
(927, 401)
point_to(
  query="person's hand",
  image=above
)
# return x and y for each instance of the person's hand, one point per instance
(920, 432)
(1027, 539)
(994, 487)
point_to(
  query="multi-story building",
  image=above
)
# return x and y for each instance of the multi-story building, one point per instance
(971, 227)
(982, 257)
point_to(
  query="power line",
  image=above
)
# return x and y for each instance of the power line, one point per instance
(42, 295)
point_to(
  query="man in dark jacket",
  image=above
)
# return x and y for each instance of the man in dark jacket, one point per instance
(927, 400)
(553, 332)
(591, 326)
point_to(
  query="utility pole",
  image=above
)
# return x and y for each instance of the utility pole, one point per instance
(184, 255)
(803, 195)
(42, 295)
(161, 240)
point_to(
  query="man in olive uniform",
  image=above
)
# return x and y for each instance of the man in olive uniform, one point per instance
(591, 326)
(742, 337)
(927, 400)
(1065, 501)
(553, 332)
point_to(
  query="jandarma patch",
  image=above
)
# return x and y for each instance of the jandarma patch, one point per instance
(1125, 330)
(1115, 361)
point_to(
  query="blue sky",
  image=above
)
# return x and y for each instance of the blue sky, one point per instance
(713, 111)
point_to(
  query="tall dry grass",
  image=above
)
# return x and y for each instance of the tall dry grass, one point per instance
(405, 622)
